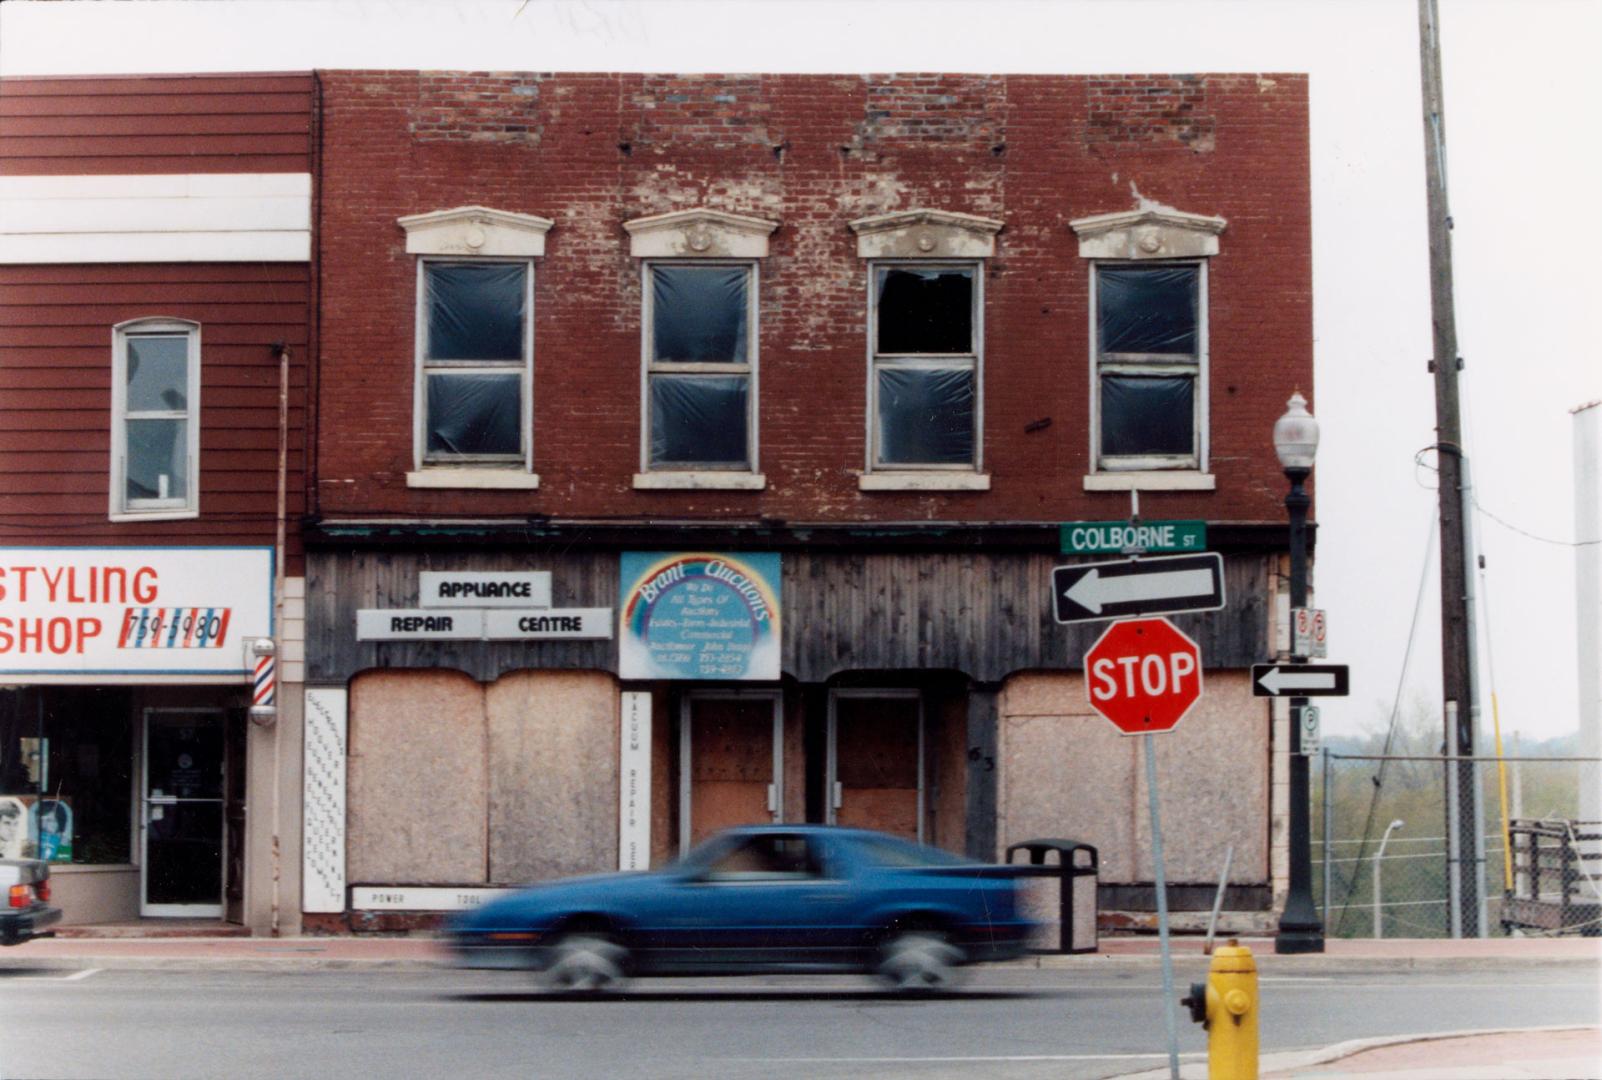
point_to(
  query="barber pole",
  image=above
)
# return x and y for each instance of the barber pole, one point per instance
(266, 683)
(264, 696)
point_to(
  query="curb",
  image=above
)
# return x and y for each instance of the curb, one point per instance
(1304, 963)
(1303, 1059)
(318, 953)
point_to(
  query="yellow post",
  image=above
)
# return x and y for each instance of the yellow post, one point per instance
(1232, 1014)
(1501, 777)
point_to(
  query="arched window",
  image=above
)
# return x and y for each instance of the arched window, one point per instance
(155, 419)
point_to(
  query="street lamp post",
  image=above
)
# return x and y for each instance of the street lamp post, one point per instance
(1379, 857)
(1296, 443)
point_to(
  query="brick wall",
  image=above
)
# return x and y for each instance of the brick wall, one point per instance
(813, 152)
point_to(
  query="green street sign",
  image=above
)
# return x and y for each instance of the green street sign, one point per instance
(1102, 537)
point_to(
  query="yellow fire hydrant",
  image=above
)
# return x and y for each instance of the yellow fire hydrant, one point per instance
(1226, 1006)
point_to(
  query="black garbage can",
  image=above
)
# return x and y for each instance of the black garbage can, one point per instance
(1078, 868)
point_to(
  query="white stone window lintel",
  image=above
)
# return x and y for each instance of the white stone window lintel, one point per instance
(926, 234)
(699, 234)
(475, 231)
(1150, 233)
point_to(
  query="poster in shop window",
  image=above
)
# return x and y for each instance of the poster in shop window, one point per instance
(699, 615)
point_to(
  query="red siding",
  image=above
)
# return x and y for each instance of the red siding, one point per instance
(155, 124)
(55, 398)
(591, 151)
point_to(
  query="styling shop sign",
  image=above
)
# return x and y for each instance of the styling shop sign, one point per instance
(695, 615)
(132, 611)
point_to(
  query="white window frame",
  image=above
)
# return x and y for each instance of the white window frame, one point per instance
(458, 465)
(123, 508)
(685, 474)
(1151, 364)
(972, 361)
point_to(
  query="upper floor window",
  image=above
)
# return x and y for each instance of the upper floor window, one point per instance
(1149, 340)
(155, 418)
(925, 366)
(699, 376)
(477, 356)
(1148, 363)
(925, 348)
(700, 365)
(474, 395)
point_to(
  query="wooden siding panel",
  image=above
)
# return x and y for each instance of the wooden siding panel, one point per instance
(55, 397)
(120, 166)
(984, 614)
(145, 124)
(67, 107)
(96, 126)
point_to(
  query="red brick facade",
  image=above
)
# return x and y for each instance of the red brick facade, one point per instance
(811, 152)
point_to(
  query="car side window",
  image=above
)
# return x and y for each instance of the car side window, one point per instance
(767, 857)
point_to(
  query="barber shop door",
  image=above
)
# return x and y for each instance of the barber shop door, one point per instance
(875, 769)
(181, 813)
(731, 761)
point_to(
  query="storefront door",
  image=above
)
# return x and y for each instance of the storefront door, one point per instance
(731, 760)
(875, 769)
(181, 805)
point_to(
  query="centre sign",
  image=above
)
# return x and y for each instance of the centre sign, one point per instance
(1144, 675)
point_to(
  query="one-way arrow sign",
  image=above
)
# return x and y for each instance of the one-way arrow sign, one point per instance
(1130, 587)
(1299, 680)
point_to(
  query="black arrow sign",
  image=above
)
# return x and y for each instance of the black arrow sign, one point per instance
(1299, 680)
(1092, 592)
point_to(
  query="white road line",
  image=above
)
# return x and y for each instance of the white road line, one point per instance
(955, 1059)
(74, 977)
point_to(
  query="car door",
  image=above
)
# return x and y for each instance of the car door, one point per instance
(771, 897)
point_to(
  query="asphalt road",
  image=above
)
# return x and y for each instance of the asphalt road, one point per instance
(1008, 1022)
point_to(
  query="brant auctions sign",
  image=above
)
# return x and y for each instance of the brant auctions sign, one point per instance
(695, 615)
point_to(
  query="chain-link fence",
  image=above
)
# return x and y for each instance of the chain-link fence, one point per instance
(1414, 846)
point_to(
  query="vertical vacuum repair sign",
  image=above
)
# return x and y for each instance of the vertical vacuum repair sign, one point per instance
(132, 611)
(694, 615)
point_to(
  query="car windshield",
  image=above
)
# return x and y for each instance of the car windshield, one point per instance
(889, 851)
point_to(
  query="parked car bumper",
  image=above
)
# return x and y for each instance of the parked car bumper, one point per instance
(19, 926)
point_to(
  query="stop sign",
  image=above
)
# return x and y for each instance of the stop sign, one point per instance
(1143, 675)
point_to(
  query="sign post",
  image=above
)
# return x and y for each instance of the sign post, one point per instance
(1144, 675)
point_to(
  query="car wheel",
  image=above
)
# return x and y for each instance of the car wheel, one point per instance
(919, 960)
(586, 964)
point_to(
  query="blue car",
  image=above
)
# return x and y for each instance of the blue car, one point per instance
(755, 900)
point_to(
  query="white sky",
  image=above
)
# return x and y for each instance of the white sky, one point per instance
(1521, 115)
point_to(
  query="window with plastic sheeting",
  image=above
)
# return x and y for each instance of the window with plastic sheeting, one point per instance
(924, 385)
(156, 421)
(700, 365)
(1150, 335)
(476, 353)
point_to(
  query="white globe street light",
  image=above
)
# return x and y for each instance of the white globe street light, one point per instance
(1296, 443)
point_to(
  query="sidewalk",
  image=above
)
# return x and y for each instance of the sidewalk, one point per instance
(1544, 1053)
(130, 945)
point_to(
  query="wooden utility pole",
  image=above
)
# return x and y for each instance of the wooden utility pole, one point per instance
(1456, 623)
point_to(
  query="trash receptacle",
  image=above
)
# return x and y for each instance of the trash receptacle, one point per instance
(1078, 869)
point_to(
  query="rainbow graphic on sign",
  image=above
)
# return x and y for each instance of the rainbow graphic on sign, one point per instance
(699, 615)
